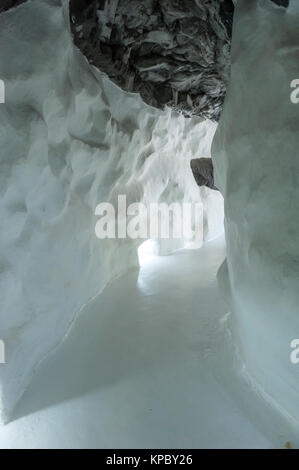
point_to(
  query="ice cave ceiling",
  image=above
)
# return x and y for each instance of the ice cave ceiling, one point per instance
(173, 52)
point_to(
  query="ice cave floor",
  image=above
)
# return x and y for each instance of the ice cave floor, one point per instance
(149, 363)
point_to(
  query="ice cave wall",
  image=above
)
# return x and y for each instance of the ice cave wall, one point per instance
(71, 139)
(256, 164)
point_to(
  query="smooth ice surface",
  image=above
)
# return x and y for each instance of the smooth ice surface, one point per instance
(256, 161)
(70, 139)
(149, 364)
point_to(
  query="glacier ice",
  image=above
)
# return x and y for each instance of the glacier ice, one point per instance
(255, 154)
(70, 139)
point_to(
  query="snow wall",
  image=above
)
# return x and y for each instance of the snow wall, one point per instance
(255, 152)
(71, 139)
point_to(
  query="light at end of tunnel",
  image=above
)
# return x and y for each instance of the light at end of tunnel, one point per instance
(147, 252)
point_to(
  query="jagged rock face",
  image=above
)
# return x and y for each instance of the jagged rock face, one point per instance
(173, 52)
(7, 4)
(203, 172)
(282, 3)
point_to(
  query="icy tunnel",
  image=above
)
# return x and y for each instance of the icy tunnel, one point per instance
(119, 330)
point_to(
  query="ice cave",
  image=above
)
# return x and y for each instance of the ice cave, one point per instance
(149, 243)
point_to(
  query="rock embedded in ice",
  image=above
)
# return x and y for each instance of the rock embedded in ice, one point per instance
(255, 155)
(203, 172)
(282, 3)
(172, 52)
(71, 139)
(7, 4)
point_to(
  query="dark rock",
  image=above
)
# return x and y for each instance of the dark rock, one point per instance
(203, 172)
(282, 3)
(7, 4)
(172, 52)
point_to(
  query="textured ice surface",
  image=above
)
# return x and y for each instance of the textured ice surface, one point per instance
(256, 162)
(161, 371)
(69, 140)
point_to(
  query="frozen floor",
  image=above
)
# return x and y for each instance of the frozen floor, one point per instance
(148, 364)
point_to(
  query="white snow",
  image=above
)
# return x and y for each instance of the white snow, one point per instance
(70, 139)
(149, 364)
(256, 157)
